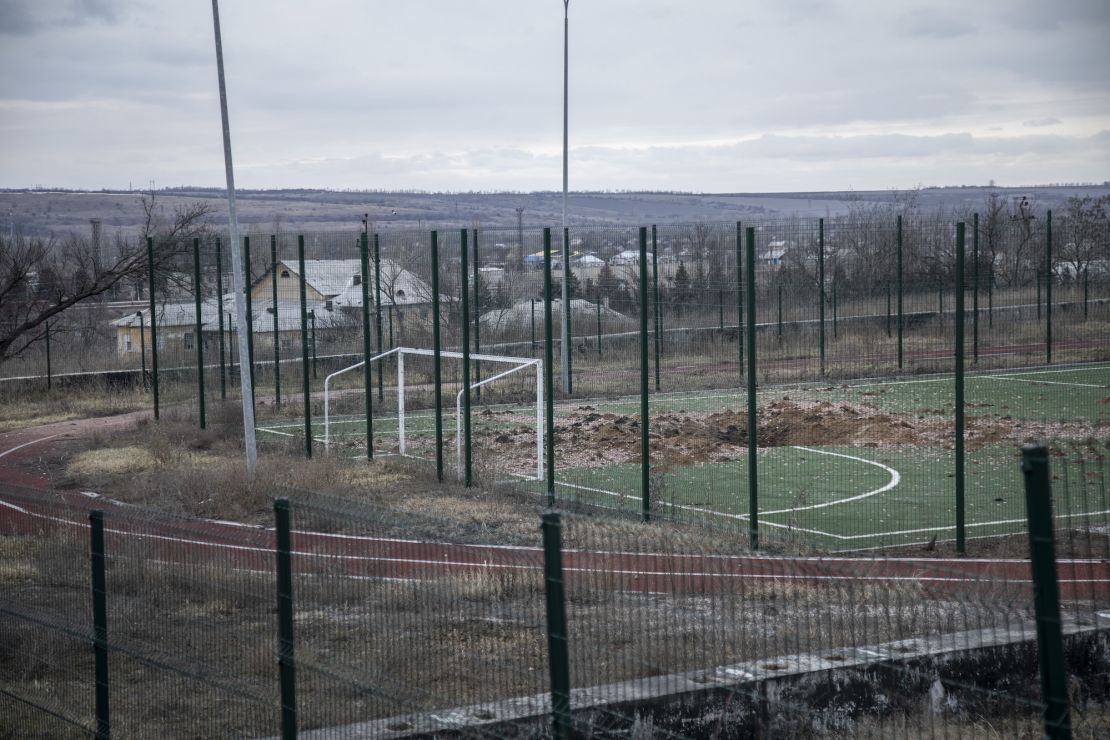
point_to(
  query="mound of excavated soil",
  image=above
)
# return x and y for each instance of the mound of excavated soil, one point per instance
(589, 438)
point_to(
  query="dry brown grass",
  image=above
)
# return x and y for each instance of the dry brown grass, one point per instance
(21, 408)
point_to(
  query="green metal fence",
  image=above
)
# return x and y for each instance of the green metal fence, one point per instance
(851, 382)
(342, 619)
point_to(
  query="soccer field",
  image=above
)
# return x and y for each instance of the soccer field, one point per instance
(843, 466)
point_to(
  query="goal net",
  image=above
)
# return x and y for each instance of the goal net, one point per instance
(506, 410)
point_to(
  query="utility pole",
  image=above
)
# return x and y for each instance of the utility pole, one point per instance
(238, 284)
(564, 352)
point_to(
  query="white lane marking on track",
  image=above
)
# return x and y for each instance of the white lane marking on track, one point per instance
(9, 451)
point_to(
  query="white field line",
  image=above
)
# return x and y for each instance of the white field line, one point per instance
(895, 479)
(1044, 382)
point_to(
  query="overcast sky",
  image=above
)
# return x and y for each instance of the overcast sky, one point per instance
(702, 95)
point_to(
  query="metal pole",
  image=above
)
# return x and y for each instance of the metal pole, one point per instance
(463, 285)
(1086, 294)
(753, 492)
(287, 667)
(834, 310)
(477, 318)
(959, 353)
(277, 326)
(557, 643)
(199, 330)
(436, 358)
(645, 451)
(821, 289)
(1048, 289)
(975, 288)
(305, 387)
(740, 296)
(142, 347)
(312, 320)
(548, 360)
(367, 372)
(567, 340)
(901, 315)
(220, 319)
(565, 333)
(153, 323)
(721, 311)
(658, 321)
(533, 326)
(238, 284)
(378, 304)
(49, 370)
(250, 312)
(1046, 591)
(100, 624)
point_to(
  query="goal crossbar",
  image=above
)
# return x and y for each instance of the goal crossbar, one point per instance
(518, 363)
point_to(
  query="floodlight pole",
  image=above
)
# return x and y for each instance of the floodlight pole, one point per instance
(238, 285)
(564, 343)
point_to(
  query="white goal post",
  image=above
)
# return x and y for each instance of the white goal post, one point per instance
(519, 364)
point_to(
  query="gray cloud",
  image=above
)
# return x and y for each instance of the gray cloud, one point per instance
(441, 94)
(1038, 122)
(28, 17)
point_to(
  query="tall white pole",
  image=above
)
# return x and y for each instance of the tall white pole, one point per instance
(564, 344)
(238, 283)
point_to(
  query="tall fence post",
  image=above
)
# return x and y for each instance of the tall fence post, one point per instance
(1086, 294)
(548, 365)
(287, 668)
(250, 310)
(958, 323)
(437, 368)
(142, 347)
(465, 324)
(821, 290)
(568, 335)
(740, 297)
(220, 319)
(367, 371)
(100, 623)
(658, 320)
(477, 316)
(1046, 591)
(312, 322)
(153, 323)
(1048, 289)
(277, 325)
(49, 369)
(753, 489)
(975, 288)
(306, 389)
(558, 649)
(199, 330)
(378, 311)
(645, 451)
(901, 294)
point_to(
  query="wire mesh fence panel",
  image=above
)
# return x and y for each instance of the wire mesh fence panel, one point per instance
(392, 632)
(46, 679)
(673, 636)
(191, 626)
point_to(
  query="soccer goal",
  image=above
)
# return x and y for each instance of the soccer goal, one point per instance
(416, 379)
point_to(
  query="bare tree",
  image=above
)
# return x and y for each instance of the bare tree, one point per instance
(1087, 233)
(41, 278)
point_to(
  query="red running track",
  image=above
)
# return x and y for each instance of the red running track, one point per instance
(28, 505)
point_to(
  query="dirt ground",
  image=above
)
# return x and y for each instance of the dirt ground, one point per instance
(590, 438)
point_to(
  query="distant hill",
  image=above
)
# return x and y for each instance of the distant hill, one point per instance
(59, 211)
